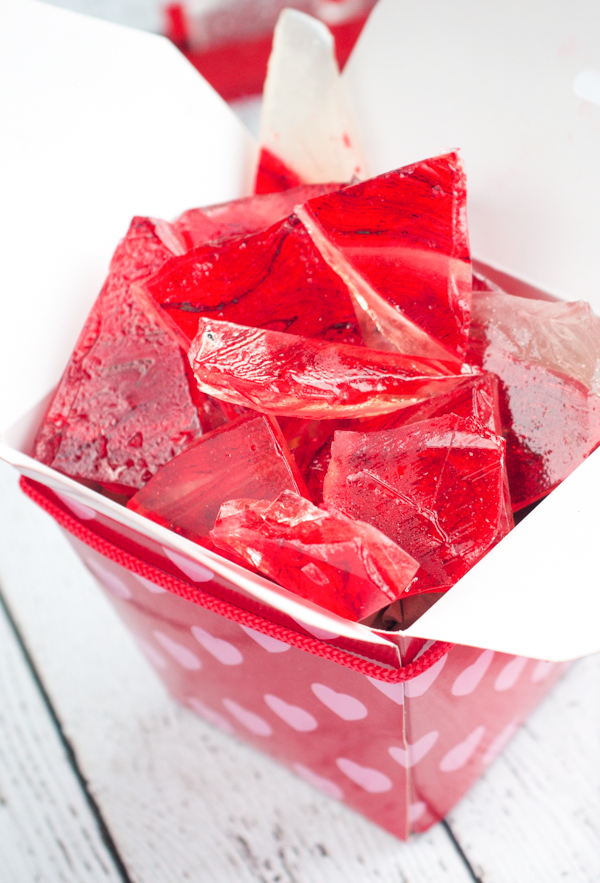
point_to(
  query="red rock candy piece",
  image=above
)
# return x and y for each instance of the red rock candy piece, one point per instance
(473, 397)
(247, 457)
(242, 216)
(437, 488)
(124, 407)
(400, 242)
(346, 566)
(273, 279)
(547, 357)
(284, 374)
(272, 174)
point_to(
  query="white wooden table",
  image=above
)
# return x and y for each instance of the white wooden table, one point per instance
(104, 778)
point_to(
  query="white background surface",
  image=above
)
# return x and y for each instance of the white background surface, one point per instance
(180, 801)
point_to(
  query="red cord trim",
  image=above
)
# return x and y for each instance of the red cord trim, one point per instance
(224, 608)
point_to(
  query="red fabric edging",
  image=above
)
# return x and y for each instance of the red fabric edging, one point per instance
(224, 608)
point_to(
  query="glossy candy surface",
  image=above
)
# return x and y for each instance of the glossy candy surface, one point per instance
(547, 357)
(345, 566)
(473, 397)
(437, 488)
(400, 242)
(247, 457)
(242, 216)
(123, 407)
(275, 279)
(284, 374)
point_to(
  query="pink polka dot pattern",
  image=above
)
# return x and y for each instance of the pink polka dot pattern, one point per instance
(345, 706)
(152, 654)
(461, 754)
(470, 677)
(416, 810)
(395, 692)
(178, 652)
(412, 754)
(224, 651)
(400, 753)
(541, 671)
(109, 579)
(209, 714)
(325, 785)
(367, 778)
(271, 645)
(418, 686)
(253, 722)
(297, 718)
(195, 571)
(510, 674)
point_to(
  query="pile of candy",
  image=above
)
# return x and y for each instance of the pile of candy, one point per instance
(313, 383)
(351, 420)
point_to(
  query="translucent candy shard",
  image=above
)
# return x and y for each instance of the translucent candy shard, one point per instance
(400, 242)
(124, 407)
(306, 130)
(437, 488)
(547, 357)
(242, 216)
(275, 279)
(475, 397)
(287, 375)
(247, 457)
(345, 566)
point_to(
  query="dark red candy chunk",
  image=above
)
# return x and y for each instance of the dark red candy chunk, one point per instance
(345, 566)
(273, 175)
(245, 458)
(437, 488)
(123, 407)
(547, 356)
(400, 241)
(274, 279)
(243, 216)
(306, 437)
(284, 374)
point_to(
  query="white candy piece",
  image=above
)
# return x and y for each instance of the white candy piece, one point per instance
(305, 119)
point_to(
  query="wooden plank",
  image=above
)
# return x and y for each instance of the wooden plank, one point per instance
(182, 800)
(47, 830)
(535, 815)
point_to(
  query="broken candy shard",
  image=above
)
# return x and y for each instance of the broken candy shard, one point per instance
(242, 216)
(245, 458)
(400, 242)
(274, 279)
(345, 566)
(437, 488)
(306, 129)
(475, 397)
(124, 406)
(547, 357)
(287, 375)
